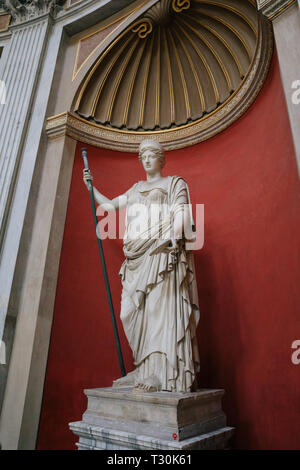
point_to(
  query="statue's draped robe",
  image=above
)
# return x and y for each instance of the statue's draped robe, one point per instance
(159, 306)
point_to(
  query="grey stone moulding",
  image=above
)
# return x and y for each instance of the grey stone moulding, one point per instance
(273, 8)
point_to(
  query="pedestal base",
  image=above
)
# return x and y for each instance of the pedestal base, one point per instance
(118, 419)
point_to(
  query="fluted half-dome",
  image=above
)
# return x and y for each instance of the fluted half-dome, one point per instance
(172, 67)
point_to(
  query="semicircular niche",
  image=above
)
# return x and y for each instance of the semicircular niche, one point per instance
(183, 72)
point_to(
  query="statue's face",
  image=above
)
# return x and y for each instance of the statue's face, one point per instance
(151, 162)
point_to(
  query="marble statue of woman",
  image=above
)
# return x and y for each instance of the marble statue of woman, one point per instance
(159, 305)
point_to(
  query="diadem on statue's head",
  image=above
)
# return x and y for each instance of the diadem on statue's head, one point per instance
(155, 147)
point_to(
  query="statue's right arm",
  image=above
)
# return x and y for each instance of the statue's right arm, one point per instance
(108, 205)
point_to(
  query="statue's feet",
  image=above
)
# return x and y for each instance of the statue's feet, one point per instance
(127, 380)
(150, 384)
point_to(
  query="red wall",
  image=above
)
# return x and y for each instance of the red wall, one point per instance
(248, 279)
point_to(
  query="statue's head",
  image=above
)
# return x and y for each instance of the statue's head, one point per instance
(149, 151)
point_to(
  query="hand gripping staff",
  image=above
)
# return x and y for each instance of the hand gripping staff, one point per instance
(108, 292)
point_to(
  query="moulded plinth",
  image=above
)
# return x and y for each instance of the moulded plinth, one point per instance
(117, 418)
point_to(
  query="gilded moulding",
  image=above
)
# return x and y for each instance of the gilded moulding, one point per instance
(208, 126)
(118, 25)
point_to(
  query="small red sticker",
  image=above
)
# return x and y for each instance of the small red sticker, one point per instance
(174, 435)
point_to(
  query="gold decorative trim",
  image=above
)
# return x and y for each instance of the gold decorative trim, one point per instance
(233, 30)
(214, 53)
(205, 63)
(186, 95)
(157, 106)
(171, 86)
(180, 5)
(112, 63)
(218, 36)
(199, 87)
(119, 78)
(191, 44)
(232, 10)
(76, 69)
(127, 141)
(126, 111)
(126, 17)
(142, 110)
(98, 62)
(143, 28)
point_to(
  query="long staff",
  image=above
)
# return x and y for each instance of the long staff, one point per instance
(108, 292)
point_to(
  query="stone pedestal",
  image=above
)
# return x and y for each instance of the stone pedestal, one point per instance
(117, 418)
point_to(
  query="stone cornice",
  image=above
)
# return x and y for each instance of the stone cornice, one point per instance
(273, 8)
(24, 10)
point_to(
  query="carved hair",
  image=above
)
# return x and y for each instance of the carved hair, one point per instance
(155, 146)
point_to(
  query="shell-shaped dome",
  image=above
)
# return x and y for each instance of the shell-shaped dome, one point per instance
(184, 69)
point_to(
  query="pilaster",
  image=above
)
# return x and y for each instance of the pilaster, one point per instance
(19, 75)
(285, 16)
(29, 30)
(29, 26)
